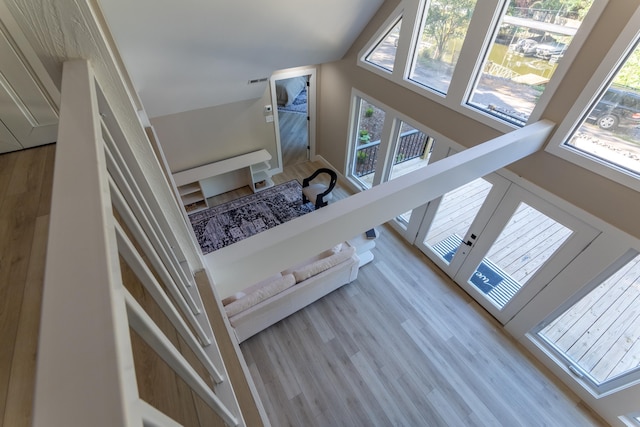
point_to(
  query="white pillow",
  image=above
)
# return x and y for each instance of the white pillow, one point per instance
(268, 290)
(321, 265)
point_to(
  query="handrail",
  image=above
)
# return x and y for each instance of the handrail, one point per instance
(105, 245)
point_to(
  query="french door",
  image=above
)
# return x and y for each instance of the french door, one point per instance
(499, 242)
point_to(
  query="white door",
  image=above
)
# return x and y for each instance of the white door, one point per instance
(453, 222)
(501, 243)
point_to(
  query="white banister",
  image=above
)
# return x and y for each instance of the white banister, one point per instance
(182, 298)
(147, 329)
(85, 373)
(288, 244)
(154, 418)
(104, 236)
(134, 196)
(143, 273)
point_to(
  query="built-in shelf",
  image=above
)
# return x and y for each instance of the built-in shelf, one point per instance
(197, 184)
(260, 179)
(192, 197)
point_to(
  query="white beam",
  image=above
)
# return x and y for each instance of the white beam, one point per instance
(241, 264)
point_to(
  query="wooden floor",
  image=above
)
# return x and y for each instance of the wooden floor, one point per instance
(25, 199)
(396, 347)
(294, 137)
(402, 345)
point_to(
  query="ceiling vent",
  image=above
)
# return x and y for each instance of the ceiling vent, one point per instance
(254, 81)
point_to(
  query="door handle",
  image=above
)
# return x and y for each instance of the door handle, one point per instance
(469, 242)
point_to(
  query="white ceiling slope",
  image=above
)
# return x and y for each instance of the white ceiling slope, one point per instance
(190, 54)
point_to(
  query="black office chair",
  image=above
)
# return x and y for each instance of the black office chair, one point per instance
(320, 194)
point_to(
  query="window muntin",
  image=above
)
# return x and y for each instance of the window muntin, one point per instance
(412, 152)
(444, 27)
(383, 54)
(610, 131)
(524, 55)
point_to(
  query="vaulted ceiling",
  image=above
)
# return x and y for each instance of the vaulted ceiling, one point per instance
(190, 54)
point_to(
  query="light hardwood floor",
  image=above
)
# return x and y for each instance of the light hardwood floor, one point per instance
(402, 345)
(293, 137)
(25, 200)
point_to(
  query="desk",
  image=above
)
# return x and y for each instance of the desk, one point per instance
(197, 184)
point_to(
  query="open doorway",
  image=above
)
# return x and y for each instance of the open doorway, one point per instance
(293, 94)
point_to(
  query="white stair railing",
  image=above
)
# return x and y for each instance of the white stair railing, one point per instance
(106, 245)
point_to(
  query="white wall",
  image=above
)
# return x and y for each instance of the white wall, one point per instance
(197, 137)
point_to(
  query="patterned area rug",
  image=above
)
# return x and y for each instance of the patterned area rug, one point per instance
(231, 222)
(299, 105)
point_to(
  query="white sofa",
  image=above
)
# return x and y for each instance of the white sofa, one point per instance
(271, 300)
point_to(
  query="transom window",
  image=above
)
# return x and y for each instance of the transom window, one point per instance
(528, 45)
(384, 53)
(436, 52)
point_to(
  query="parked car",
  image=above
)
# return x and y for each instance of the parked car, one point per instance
(547, 50)
(617, 108)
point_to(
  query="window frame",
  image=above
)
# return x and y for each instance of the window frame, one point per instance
(474, 49)
(354, 123)
(590, 95)
(625, 380)
(380, 38)
(388, 139)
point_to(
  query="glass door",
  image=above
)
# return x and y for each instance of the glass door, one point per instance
(523, 246)
(501, 243)
(413, 149)
(368, 146)
(445, 234)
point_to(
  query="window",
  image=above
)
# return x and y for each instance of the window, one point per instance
(598, 335)
(529, 44)
(384, 53)
(442, 33)
(600, 132)
(412, 152)
(366, 142)
(610, 131)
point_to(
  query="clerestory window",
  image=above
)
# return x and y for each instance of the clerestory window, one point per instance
(442, 32)
(528, 44)
(383, 54)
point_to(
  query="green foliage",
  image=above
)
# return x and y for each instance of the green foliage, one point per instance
(364, 136)
(361, 156)
(447, 20)
(628, 74)
(368, 112)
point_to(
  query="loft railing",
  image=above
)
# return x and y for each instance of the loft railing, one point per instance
(125, 339)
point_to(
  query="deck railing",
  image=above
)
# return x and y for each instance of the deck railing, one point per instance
(412, 144)
(122, 316)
